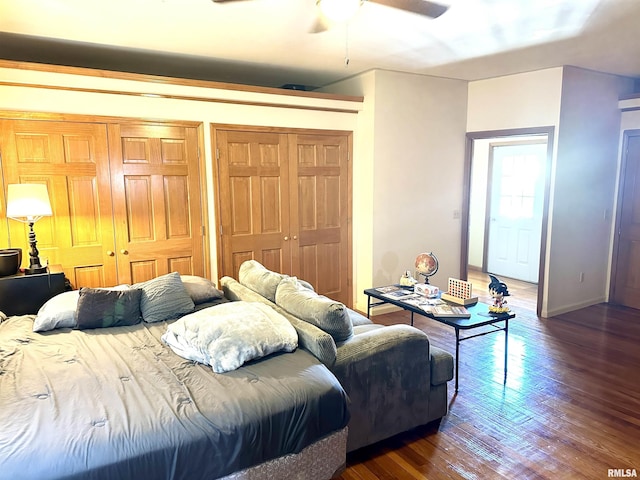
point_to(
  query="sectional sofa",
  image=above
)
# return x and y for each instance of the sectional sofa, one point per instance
(395, 379)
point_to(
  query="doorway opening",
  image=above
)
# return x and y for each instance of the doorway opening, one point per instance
(505, 210)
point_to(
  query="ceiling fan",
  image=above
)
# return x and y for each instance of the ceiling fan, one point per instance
(341, 10)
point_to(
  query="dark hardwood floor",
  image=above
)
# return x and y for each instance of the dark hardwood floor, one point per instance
(569, 409)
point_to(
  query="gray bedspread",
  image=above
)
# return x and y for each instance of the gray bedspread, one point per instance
(117, 403)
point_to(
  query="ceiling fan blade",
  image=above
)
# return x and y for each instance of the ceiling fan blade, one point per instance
(319, 26)
(421, 7)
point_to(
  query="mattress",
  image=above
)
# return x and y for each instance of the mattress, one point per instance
(118, 403)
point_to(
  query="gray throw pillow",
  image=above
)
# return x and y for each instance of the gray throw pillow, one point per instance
(307, 305)
(164, 298)
(258, 278)
(200, 289)
(100, 308)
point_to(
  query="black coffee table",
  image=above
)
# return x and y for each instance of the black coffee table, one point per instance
(480, 317)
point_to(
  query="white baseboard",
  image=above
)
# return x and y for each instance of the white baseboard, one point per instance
(572, 307)
(382, 309)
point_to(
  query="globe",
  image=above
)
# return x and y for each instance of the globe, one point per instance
(426, 265)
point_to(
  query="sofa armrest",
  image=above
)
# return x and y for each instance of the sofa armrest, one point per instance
(387, 374)
(379, 340)
(310, 337)
(441, 366)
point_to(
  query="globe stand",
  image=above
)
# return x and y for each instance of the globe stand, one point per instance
(426, 278)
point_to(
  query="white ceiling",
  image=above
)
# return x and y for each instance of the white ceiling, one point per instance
(267, 42)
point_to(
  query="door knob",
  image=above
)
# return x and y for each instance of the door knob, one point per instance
(124, 252)
(286, 238)
(110, 253)
(295, 237)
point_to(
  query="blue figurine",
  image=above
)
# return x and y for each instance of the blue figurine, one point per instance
(498, 290)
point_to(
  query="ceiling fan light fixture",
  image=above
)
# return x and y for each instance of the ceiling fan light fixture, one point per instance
(339, 10)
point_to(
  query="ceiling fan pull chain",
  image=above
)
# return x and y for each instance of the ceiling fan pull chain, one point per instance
(346, 45)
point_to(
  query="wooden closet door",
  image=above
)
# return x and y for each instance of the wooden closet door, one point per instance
(626, 264)
(254, 200)
(72, 160)
(285, 201)
(157, 201)
(321, 193)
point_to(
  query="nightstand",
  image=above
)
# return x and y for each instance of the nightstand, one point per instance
(24, 294)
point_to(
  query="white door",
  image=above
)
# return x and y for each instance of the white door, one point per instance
(515, 210)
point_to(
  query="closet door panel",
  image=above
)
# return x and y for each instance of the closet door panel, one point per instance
(139, 208)
(321, 173)
(254, 213)
(72, 160)
(157, 201)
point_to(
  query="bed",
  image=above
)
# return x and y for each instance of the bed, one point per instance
(117, 402)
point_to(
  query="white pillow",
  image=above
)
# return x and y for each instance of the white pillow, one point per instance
(57, 312)
(228, 335)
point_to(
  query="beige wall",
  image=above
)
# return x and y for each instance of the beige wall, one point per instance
(413, 128)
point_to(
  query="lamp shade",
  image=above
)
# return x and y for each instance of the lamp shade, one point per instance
(28, 202)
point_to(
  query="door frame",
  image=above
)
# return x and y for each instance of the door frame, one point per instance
(466, 199)
(618, 223)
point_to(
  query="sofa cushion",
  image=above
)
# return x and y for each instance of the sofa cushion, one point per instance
(258, 278)
(307, 305)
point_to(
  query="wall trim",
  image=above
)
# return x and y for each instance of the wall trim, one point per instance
(176, 81)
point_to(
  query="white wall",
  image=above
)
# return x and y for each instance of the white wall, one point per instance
(416, 125)
(67, 93)
(515, 101)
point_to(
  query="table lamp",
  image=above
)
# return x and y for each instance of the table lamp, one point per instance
(28, 203)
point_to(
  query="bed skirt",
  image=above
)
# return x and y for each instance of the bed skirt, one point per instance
(321, 460)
